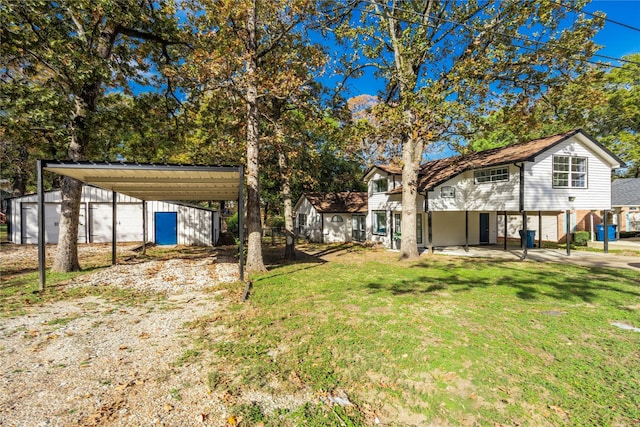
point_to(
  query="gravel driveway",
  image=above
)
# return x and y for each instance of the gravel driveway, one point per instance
(93, 362)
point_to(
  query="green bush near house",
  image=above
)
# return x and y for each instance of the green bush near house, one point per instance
(580, 238)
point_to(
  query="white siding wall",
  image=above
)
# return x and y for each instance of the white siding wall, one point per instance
(313, 229)
(514, 225)
(494, 196)
(539, 191)
(195, 226)
(337, 232)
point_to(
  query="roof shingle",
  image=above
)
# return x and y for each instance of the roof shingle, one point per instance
(344, 202)
(625, 192)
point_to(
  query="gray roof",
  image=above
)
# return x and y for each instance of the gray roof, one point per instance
(625, 192)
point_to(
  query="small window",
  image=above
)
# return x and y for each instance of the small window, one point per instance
(448, 192)
(569, 172)
(379, 222)
(336, 218)
(302, 222)
(491, 175)
(380, 185)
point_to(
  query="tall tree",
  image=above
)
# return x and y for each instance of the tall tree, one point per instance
(87, 46)
(446, 63)
(240, 42)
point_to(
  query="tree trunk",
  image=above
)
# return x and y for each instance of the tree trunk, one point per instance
(254, 227)
(411, 155)
(289, 249)
(66, 258)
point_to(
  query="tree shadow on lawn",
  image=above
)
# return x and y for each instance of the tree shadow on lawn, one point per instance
(588, 284)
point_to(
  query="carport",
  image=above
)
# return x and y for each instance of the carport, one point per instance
(147, 182)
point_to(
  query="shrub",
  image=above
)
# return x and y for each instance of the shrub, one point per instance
(275, 222)
(580, 238)
(232, 223)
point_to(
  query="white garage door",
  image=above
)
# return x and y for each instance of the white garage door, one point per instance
(129, 225)
(29, 224)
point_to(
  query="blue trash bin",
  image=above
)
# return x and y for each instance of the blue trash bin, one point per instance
(531, 237)
(611, 232)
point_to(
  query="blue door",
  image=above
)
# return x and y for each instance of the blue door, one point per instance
(166, 228)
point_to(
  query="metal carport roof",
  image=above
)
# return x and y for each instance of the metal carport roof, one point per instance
(147, 181)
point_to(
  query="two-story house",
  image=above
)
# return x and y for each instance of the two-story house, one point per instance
(477, 198)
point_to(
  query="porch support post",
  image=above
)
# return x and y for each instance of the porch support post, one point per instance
(523, 238)
(567, 220)
(618, 222)
(321, 228)
(429, 223)
(505, 230)
(539, 229)
(593, 234)
(605, 216)
(144, 227)
(466, 231)
(114, 222)
(41, 231)
(241, 222)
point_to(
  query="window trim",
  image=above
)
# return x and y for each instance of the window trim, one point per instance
(337, 218)
(570, 172)
(375, 226)
(487, 173)
(375, 186)
(445, 195)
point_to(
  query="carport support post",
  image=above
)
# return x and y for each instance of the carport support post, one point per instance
(241, 221)
(41, 233)
(114, 221)
(430, 232)
(144, 227)
(567, 220)
(605, 217)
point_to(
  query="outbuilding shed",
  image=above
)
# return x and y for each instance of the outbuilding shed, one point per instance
(166, 222)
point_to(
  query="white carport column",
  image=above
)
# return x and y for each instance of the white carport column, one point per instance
(593, 234)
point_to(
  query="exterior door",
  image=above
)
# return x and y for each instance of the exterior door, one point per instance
(484, 228)
(166, 226)
(359, 228)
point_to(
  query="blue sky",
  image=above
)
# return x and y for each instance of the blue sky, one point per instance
(616, 40)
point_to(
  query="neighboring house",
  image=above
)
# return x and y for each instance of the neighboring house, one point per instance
(477, 198)
(332, 217)
(166, 222)
(625, 199)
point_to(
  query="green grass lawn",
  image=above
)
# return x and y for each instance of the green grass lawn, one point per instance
(440, 341)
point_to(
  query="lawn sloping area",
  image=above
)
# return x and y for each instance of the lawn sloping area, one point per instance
(440, 341)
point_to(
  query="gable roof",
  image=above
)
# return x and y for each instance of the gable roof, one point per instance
(436, 172)
(625, 192)
(344, 202)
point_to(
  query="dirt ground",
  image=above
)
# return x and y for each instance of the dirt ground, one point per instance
(96, 362)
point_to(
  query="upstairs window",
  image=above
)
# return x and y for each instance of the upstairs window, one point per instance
(491, 175)
(380, 185)
(569, 172)
(448, 192)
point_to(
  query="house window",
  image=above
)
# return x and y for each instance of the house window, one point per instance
(397, 221)
(336, 218)
(379, 222)
(448, 192)
(302, 223)
(491, 175)
(380, 185)
(569, 172)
